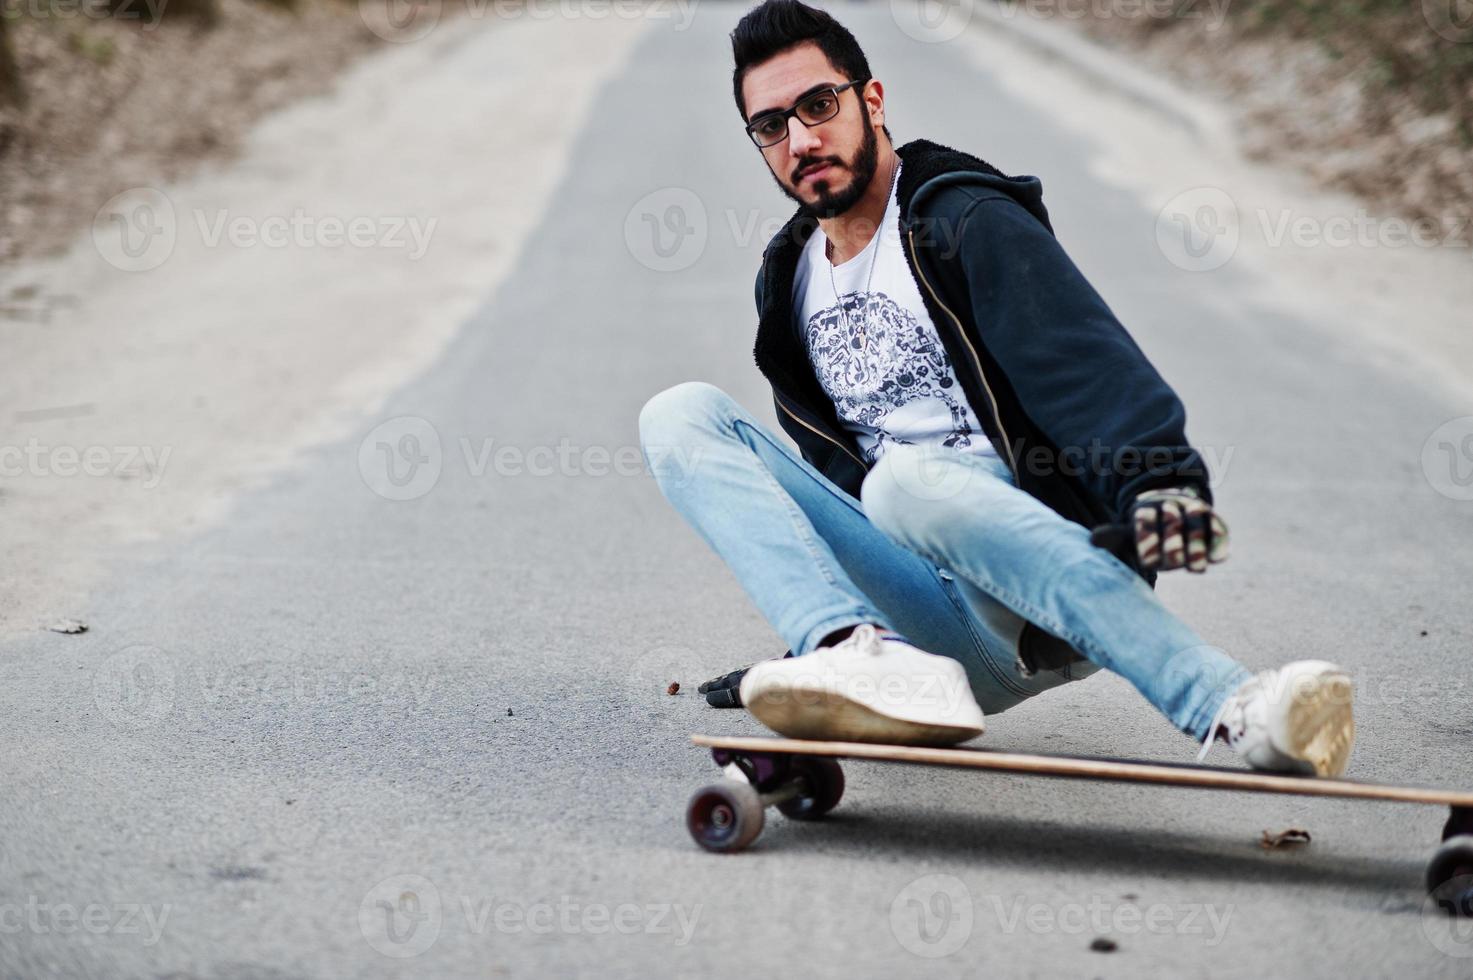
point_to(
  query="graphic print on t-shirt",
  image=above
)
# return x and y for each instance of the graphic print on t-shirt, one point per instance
(902, 389)
(900, 386)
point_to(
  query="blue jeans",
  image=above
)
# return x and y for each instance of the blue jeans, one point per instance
(941, 547)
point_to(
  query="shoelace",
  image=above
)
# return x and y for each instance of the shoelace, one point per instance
(1217, 719)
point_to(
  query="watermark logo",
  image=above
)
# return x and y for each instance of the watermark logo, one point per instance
(931, 21)
(134, 688)
(921, 473)
(400, 21)
(1451, 19)
(1451, 934)
(400, 916)
(666, 230)
(932, 916)
(1447, 458)
(135, 230)
(1198, 230)
(401, 459)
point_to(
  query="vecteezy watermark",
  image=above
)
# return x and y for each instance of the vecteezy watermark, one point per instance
(150, 12)
(403, 459)
(43, 460)
(932, 916)
(666, 230)
(571, 916)
(140, 686)
(302, 230)
(95, 918)
(138, 229)
(1199, 230)
(401, 916)
(1100, 916)
(1447, 458)
(809, 682)
(932, 473)
(1213, 12)
(936, 21)
(404, 21)
(1451, 19)
(1361, 229)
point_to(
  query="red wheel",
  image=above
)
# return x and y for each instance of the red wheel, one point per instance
(823, 788)
(725, 816)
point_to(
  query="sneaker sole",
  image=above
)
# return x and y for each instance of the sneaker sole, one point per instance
(1322, 723)
(829, 716)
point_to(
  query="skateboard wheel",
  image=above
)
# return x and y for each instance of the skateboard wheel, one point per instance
(1450, 875)
(724, 816)
(824, 787)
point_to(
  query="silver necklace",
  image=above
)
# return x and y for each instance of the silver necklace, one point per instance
(874, 260)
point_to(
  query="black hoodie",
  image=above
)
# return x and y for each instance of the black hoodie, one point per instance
(1059, 387)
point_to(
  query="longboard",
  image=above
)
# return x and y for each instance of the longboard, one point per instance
(804, 781)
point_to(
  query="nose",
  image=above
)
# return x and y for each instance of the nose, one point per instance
(801, 140)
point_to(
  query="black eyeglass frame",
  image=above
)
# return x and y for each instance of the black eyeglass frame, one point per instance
(791, 111)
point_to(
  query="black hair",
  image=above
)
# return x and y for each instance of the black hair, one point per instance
(774, 26)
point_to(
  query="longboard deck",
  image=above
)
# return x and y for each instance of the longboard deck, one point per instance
(1087, 767)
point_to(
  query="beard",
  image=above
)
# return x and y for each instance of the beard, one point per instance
(832, 203)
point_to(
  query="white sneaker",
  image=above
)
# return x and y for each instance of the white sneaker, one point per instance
(1294, 719)
(866, 688)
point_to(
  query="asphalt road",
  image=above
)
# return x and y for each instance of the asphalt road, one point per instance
(348, 735)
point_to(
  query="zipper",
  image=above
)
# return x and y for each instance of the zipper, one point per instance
(977, 361)
(820, 432)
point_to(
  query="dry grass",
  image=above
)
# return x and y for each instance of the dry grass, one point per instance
(1364, 94)
(137, 100)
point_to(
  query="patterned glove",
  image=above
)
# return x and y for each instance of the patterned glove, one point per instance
(726, 691)
(1175, 527)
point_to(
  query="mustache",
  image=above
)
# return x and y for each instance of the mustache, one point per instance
(813, 162)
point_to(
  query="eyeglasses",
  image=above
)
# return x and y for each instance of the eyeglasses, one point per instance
(821, 106)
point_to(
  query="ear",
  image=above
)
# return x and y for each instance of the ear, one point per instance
(874, 101)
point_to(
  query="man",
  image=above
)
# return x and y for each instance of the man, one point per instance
(967, 408)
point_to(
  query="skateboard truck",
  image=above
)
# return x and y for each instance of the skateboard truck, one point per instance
(727, 816)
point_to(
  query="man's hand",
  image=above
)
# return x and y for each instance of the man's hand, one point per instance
(1176, 528)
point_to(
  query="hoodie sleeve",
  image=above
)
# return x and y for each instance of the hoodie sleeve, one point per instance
(1076, 372)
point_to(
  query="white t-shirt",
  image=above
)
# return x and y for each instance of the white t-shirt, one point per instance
(899, 386)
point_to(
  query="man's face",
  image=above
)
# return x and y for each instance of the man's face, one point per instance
(825, 168)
